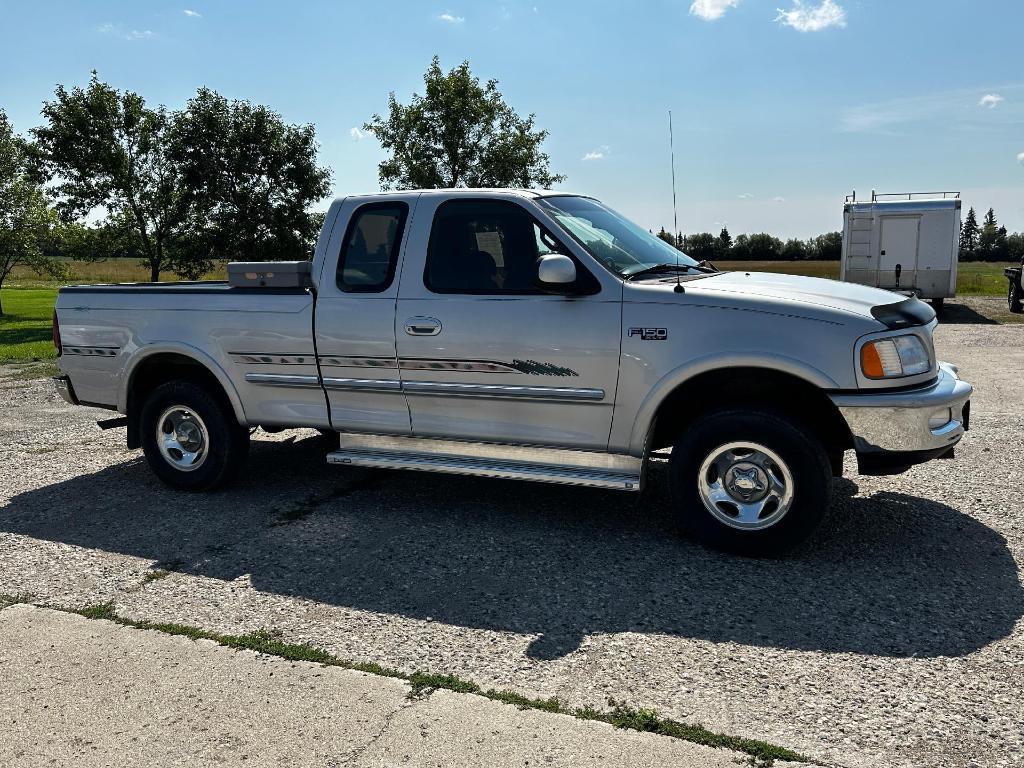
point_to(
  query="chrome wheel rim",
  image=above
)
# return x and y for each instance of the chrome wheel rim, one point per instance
(745, 485)
(182, 438)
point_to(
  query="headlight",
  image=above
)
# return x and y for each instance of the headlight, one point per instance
(895, 356)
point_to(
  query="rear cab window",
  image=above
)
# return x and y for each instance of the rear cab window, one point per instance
(369, 251)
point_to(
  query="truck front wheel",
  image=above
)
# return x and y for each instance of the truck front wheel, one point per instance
(190, 436)
(749, 481)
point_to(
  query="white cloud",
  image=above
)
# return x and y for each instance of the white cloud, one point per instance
(193, 14)
(355, 133)
(709, 10)
(990, 100)
(779, 199)
(598, 154)
(1020, 158)
(815, 18)
(118, 31)
(451, 18)
(746, 196)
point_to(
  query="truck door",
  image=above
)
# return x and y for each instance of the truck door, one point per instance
(898, 245)
(355, 315)
(484, 354)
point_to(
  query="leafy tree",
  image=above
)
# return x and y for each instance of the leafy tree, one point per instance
(27, 223)
(107, 150)
(764, 247)
(969, 233)
(248, 181)
(1015, 247)
(740, 248)
(460, 134)
(700, 246)
(668, 237)
(794, 250)
(826, 247)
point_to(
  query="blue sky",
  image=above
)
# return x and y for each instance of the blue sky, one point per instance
(778, 113)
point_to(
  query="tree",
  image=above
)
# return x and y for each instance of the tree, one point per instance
(700, 246)
(108, 150)
(723, 245)
(992, 245)
(460, 134)
(764, 247)
(668, 237)
(27, 223)
(826, 247)
(969, 233)
(794, 250)
(249, 179)
(1015, 248)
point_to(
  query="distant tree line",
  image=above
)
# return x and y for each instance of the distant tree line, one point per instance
(985, 242)
(705, 246)
(989, 241)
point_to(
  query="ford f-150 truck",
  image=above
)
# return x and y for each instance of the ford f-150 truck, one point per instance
(527, 335)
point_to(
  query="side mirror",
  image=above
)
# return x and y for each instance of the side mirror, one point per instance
(556, 273)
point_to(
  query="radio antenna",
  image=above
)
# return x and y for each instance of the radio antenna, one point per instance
(675, 215)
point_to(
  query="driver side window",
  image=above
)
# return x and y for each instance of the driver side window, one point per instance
(486, 247)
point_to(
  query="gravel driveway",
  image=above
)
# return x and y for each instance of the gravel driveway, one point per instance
(893, 638)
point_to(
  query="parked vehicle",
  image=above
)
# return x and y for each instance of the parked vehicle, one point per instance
(905, 242)
(1015, 295)
(529, 335)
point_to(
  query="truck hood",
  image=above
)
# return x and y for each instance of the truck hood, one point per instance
(787, 289)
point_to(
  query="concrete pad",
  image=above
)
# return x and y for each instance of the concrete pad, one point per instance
(490, 733)
(75, 691)
(82, 692)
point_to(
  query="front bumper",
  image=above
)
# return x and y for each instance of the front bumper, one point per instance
(891, 430)
(67, 392)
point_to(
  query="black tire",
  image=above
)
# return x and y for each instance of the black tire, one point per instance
(226, 443)
(1014, 298)
(801, 454)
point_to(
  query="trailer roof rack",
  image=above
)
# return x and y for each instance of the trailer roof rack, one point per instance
(879, 196)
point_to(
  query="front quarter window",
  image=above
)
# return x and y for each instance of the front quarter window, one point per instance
(620, 245)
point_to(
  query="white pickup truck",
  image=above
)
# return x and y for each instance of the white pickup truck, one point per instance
(528, 335)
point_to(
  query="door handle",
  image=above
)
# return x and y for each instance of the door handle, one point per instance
(423, 326)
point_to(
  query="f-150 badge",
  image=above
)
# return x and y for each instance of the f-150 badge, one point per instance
(649, 334)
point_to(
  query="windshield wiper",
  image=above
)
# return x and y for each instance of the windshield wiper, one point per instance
(704, 267)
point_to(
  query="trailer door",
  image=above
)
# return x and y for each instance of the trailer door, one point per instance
(899, 244)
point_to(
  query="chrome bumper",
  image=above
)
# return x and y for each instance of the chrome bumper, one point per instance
(898, 421)
(63, 386)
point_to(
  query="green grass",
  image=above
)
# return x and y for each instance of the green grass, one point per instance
(423, 683)
(25, 333)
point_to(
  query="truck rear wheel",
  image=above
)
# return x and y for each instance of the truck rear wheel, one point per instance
(190, 436)
(749, 481)
(1014, 297)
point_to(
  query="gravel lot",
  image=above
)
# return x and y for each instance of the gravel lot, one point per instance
(893, 638)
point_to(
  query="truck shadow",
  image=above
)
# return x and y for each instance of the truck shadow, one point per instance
(889, 575)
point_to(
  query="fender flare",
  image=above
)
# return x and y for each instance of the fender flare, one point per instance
(645, 416)
(185, 350)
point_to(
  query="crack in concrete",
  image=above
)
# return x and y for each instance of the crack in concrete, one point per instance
(408, 703)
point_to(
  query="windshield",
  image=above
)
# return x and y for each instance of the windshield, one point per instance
(611, 238)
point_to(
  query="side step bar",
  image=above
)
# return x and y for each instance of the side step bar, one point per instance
(621, 473)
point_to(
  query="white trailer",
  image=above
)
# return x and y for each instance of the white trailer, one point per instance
(907, 242)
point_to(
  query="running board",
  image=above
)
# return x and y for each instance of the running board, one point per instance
(582, 468)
